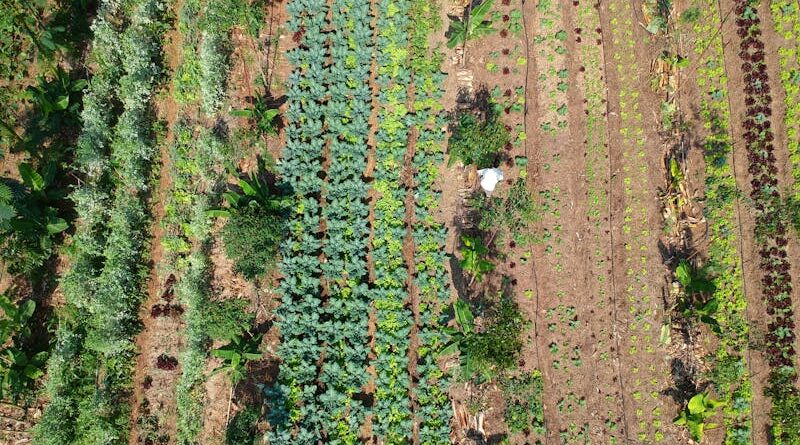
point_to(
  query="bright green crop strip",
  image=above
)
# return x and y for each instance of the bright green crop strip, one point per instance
(433, 412)
(392, 417)
(786, 17)
(195, 160)
(103, 301)
(731, 379)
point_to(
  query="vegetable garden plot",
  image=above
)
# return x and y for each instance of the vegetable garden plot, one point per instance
(411, 308)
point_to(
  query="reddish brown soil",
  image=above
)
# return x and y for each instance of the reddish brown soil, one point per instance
(159, 335)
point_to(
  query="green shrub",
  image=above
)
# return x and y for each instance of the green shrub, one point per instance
(242, 429)
(227, 319)
(477, 141)
(500, 343)
(251, 236)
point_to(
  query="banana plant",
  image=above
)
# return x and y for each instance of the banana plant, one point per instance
(696, 288)
(29, 221)
(473, 256)
(19, 368)
(461, 336)
(474, 26)
(255, 193)
(56, 95)
(235, 356)
(264, 116)
(15, 319)
(700, 407)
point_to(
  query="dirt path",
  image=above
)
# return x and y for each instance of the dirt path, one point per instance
(154, 406)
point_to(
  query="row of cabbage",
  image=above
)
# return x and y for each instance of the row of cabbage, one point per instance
(90, 371)
(295, 412)
(345, 214)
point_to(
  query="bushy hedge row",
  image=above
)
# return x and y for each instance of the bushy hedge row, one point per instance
(91, 368)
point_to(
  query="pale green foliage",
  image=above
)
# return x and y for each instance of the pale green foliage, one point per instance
(700, 408)
(213, 56)
(474, 257)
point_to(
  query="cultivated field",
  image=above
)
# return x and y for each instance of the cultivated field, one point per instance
(259, 222)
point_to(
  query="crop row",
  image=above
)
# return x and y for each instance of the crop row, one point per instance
(771, 236)
(597, 201)
(57, 425)
(326, 303)
(205, 33)
(345, 215)
(731, 377)
(638, 349)
(194, 160)
(786, 17)
(433, 411)
(104, 287)
(294, 414)
(392, 411)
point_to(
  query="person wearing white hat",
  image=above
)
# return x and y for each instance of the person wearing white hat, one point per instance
(489, 179)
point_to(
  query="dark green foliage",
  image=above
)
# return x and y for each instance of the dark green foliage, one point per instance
(242, 429)
(255, 228)
(690, 15)
(496, 347)
(509, 215)
(251, 237)
(226, 319)
(20, 366)
(501, 342)
(477, 140)
(696, 289)
(236, 355)
(29, 220)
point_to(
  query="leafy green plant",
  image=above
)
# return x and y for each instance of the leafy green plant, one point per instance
(236, 355)
(473, 255)
(696, 302)
(262, 115)
(224, 320)
(19, 367)
(699, 408)
(477, 140)
(474, 26)
(495, 347)
(241, 430)
(524, 406)
(29, 220)
(255, 226)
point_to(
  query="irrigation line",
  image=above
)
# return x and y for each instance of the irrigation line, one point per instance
(530, 249)
(611, 241)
